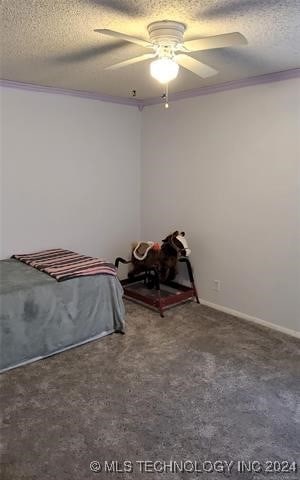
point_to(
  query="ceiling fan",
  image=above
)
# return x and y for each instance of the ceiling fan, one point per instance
(169, 49)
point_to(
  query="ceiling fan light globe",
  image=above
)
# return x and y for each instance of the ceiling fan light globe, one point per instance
(164, 69)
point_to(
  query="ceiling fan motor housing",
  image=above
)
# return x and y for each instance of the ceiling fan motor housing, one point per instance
(166, 33)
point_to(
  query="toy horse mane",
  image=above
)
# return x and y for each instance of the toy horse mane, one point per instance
(178, 242)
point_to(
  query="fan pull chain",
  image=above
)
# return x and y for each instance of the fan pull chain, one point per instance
(167, 96)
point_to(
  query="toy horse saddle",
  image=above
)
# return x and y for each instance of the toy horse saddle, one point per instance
(142, 249)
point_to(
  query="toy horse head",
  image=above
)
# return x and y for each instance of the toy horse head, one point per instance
(178, 243)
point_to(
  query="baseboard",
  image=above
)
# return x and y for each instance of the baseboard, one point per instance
(249, 318)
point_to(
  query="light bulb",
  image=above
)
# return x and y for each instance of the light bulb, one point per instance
(164, 69)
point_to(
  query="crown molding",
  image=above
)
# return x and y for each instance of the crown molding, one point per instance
(32, 87)
(222, 87)
(141, 103)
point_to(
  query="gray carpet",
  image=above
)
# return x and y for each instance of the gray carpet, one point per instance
(195, 386)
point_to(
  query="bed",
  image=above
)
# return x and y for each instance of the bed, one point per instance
(41, 316)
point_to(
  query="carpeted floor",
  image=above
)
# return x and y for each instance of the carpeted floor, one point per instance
(195, 386)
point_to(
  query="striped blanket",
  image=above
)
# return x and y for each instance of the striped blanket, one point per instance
(63, 264)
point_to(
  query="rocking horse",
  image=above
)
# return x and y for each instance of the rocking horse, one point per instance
(155, 265)
(149, 255)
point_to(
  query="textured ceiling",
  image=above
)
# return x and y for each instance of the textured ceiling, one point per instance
(52, 42)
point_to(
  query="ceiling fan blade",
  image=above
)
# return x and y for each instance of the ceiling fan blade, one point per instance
(141, 58)
(200, 69)
(216, 41)
(123, 36)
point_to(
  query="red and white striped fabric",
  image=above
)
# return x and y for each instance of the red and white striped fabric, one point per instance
(63, 264)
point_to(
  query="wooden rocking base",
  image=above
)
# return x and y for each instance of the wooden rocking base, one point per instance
(163, 295)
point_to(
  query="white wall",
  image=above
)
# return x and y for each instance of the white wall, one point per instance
(225, 168)
(70, 174)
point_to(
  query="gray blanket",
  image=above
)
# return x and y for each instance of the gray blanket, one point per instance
(39, 316)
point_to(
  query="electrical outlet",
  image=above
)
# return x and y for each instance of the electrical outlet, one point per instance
(217, 285)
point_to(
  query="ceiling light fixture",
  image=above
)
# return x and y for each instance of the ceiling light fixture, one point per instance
(168, 50)
(164, 69)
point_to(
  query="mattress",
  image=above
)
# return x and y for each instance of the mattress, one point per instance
(40, 316)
